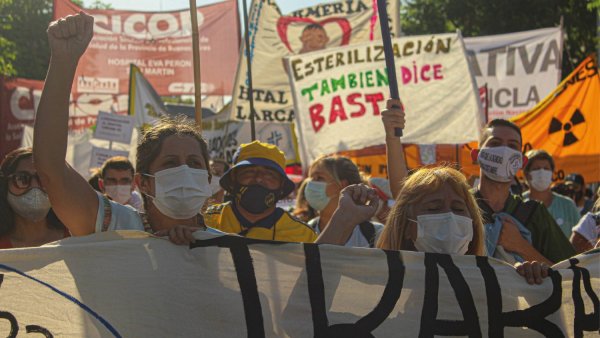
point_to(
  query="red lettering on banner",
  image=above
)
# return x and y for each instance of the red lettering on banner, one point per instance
(340, 106)
(375, 99)
(352, 101)
(337, 110)
(315, 116)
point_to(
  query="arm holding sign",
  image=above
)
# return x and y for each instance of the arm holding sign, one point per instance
(358, 203)
(393, 118)
(73, 199)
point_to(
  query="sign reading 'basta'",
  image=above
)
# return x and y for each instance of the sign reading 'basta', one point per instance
(339, 94)
(129, 284)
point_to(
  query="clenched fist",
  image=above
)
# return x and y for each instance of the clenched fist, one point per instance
(70, 36)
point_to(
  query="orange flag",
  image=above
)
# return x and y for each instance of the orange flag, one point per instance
(567, 124)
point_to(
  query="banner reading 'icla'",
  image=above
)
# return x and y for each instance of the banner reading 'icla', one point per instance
(520, 69)
(339, 94)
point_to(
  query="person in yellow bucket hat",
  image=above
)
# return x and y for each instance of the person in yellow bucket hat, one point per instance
(256, 182)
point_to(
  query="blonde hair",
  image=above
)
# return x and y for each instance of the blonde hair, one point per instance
(420, 184)
(340, 168)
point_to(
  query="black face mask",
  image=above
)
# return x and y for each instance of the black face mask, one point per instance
(255, 198)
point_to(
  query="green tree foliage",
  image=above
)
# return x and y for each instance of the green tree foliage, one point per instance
(477, 18)
(27, 35)
(24, 50)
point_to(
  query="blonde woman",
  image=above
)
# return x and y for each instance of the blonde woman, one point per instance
(434, 212)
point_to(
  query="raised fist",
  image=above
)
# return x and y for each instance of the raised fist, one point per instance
(70, 36)
(392, 117)
(358, 200)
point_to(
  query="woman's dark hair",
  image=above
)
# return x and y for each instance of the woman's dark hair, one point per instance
(8, 167)
(150, 144)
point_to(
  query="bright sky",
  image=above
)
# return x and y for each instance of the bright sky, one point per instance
(286, 6)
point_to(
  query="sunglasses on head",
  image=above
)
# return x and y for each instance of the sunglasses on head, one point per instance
(22, 179)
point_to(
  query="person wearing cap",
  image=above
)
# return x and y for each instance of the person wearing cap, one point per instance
(538, 172)
(576, 186)
(256, 182)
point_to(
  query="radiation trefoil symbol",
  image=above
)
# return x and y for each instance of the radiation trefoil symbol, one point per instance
(566, 133)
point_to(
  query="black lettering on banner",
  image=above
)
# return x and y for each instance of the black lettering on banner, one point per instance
(584, 322)
(430, 325)
(38, 329)
(238, 246)
(364, 326)
(14, 325)
(532, 318)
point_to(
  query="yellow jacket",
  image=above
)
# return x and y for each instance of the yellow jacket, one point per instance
(279, 226)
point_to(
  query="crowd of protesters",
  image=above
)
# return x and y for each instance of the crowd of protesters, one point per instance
(174, 189)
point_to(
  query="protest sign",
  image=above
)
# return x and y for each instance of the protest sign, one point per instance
(519, 68)
(274, 36)
(230, 286)
(160, 43)
(19, 99)
(100, 155)
(113, 127)
(565, 124)
(339, 93)
(225, 136)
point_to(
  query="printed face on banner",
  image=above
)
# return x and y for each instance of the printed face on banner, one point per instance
(311, 29)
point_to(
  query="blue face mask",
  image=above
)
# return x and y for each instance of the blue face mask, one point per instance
(315, 194)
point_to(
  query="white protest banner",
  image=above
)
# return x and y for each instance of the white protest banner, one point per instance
(100, 155)
(79, 149)
(224, 137)
(338, 94)
(129, 284)
(520, 69)
(113, 127)
(274, 36)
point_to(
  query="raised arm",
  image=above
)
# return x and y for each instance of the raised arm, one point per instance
(396, 163)
(73, 199)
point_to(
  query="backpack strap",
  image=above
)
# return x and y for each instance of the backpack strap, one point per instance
(107, 213)
(367, 229)
(524, 211)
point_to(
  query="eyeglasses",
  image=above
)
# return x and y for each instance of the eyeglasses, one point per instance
(22, 179)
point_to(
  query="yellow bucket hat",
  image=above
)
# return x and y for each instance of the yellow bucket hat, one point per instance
(258, 153)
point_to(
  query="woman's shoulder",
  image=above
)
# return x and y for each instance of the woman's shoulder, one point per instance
(115, 216)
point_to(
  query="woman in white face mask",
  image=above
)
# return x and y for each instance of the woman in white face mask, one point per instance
(26, 218)
(172, 158)
(434, 212)
(538, 171)
(328, 175)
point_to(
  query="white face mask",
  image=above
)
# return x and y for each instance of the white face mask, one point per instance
(315, 194)
(119, 193)
(540, 179)
(446, 233)
(32, 205)
(180, 192)
(500, 164)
